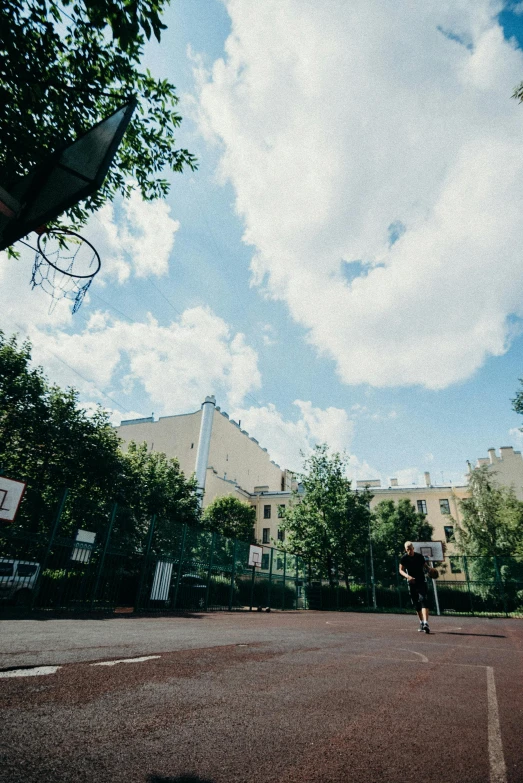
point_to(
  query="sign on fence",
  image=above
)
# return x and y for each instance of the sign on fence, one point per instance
(161, 581)
(11, 493)
(82, 553)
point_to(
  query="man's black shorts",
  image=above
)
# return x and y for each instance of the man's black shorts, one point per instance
(418, 595)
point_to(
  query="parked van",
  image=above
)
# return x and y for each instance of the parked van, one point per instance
(17, 580)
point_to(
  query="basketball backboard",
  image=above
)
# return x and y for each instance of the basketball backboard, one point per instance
(11, 493)
(255, 555)
(431, 550)
(67, 176)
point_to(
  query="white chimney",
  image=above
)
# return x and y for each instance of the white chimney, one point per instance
(427, 479)
(204, 443)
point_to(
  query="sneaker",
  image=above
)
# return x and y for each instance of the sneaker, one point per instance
(426, 628)
(421, 628)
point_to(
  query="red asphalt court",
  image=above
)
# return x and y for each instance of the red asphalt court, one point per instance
(293, 697)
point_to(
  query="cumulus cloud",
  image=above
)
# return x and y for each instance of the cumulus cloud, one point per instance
(382, 137)
(115, 416)
(176, 364)
(287, 440)
(516, 436)
(133, 237)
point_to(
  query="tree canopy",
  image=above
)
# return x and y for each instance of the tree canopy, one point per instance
(65, 66)
(49, 441)
(491, 518)
(327, 520)
(230, 517)
(394, 523)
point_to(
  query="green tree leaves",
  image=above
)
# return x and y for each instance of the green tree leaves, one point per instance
(327, 521)
(230, 517)
(394, 523)
(65, 66)
(47, 440)
(491, 518)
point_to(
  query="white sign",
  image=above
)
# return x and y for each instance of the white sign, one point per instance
(82, 554)
(11, 493)
(255, 555)
(431, 550)
(161, 581)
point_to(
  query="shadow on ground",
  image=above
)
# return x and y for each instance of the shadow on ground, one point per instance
(489, 635)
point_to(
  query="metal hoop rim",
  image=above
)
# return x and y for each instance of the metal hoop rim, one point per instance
(67, 232)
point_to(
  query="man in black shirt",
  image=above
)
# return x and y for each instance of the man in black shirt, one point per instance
(413, 567)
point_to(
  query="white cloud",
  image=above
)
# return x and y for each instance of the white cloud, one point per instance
(135, 237)
(176, 364)
(115, 416)
(286, 440)
(517, 436)
(371, 116)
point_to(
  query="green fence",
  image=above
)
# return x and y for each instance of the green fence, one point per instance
(158, 565)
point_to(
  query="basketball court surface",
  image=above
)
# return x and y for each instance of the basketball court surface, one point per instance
(294, 696)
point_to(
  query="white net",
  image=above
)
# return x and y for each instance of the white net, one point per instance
(64, 266)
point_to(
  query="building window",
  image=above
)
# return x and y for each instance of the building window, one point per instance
(455, 565)
(444, 506)
(281, 535)
(266, 535)
(279, 563)
(266, 512)
(281, 510)
(449, 534)
(266, 559)
(422, 506)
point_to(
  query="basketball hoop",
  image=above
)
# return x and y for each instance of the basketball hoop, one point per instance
(64, 266)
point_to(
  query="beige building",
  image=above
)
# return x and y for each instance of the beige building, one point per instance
(225, 459)
(507, 468)
(228, 461)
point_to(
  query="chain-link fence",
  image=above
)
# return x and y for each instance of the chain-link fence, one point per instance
(162, 565)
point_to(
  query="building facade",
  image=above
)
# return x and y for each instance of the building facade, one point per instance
(225, 459)
(228, 461)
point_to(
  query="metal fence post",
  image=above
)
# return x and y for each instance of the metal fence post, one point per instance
(501, 585)
(252, 587)
(50, 545)
(398, 588)
(337, 587)
(366, 580)
(104, 552)
(233, 574)
(283, 583)
(209, 570)
(467, 578)
(146, 560)
(269, 589)
(180, 566)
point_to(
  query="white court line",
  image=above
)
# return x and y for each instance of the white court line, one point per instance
(498, 770)
(126, 660)
(424, 658)
(36, 672)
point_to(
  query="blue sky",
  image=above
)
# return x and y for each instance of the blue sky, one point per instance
(345, 265)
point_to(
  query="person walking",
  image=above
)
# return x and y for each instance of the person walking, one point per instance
(412, 568)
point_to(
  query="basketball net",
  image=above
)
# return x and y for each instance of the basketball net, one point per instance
(64, 266)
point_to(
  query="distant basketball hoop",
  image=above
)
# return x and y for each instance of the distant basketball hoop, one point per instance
(255, 556)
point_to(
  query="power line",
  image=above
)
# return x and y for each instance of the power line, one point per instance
(87, 380)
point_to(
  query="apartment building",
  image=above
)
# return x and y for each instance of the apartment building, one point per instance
(228, 461)
(225, 458)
